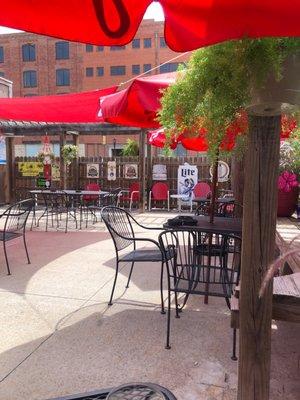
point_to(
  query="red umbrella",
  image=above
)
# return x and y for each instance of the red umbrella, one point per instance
(189, 24)
(138, 104)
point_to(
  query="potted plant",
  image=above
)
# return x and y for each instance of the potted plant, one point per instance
(131, 148)
(69, 152)
(45, 157)
(288, 181)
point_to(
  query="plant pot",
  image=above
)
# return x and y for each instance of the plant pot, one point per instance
(287, 202)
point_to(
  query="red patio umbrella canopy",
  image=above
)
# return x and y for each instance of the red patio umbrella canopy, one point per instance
(138, 104)
(189, 24)
(75, 107)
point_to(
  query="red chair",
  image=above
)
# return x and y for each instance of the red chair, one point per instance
(133, 194)
(159, 192)
(202, 189)
(95, 187)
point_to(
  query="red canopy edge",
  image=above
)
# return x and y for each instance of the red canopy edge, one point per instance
(189, 24)
(75, 107)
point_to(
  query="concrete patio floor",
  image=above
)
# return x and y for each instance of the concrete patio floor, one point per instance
(59, 337)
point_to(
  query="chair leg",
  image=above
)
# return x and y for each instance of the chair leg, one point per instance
(6, 259)
(114, 285)
(234, 357)
(168, 319)
(132, 264)
(25, 245)
(161, 289)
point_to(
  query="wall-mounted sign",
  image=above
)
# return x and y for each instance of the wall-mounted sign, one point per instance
(131, 171)
(111, 170)
(223, 171)
(43, 183)
(2, 150)
(55, 172)
(187, 179)
(92, 170)
(159, 172)
(31, 168)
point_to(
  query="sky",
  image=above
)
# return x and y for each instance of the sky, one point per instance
(154, 11)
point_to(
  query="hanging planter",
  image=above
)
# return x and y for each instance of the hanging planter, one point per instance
(69, 152)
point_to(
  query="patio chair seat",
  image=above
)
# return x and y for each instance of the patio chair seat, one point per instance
(150, 255)
(9, 235)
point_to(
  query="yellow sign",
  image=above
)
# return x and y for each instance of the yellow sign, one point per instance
(55, 172)
(31, 168)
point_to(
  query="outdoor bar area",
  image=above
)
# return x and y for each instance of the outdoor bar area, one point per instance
(169, 269)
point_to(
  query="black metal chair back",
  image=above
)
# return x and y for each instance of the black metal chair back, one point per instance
(118, 223)
(17, 215)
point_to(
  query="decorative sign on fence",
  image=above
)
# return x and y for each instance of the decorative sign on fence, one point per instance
(111, 170)
(43, 183)
(159, 172)
(187, 179)
(2, 150)
(92, 170)
(130, 171)
(31, 168)
(223, 171)
(55, 172)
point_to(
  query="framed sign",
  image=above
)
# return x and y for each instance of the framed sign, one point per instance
(31, 168)
(92, 170)
(131, 171)
(111, 170)
(159, 172)
(187, 179)
(55, 172)
(223, 171)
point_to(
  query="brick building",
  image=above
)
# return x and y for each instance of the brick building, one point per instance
(40, 65)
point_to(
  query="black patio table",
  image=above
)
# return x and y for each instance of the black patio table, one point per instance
(220, 200)
(219, 225)
(133, 391)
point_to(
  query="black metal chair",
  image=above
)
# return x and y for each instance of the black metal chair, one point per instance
(204, 264)
(120, 226)
(14, 225)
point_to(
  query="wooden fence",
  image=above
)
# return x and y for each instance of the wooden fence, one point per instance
(76, 174)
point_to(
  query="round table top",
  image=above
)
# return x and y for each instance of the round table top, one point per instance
(136, 391)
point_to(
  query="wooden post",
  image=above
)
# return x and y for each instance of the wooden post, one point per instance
(63, 172)
(148, 168)
(214, 189)
(259, 225)
(10, 193)
(142, 170)
(237, 183)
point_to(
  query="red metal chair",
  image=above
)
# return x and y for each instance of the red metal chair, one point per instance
(202, 189)
(95, 187)
(159, 192)
(133, 194)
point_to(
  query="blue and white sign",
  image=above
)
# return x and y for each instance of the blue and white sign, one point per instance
(2, 150)
(187, 179)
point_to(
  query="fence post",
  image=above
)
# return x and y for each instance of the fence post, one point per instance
(62, 142)
(142, 170)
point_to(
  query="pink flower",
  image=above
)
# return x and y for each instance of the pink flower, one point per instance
(286, 181)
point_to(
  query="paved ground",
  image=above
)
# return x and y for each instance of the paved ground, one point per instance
(59, 337)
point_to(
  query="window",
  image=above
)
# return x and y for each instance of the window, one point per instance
(62, 50)
(136, 43)
(162, 42)
(146, 67)
(32, 149)
(63, 77)
(118, 70)
(169, 67)
(114, 48)
(2, 74)
(30, 94)
(136, 69)
(180, 151)
(1, 54)
(89, 48)
(100, 71)
(100, 48)
(29, 79)
(147, 43)
(28, 52)
(89, 71)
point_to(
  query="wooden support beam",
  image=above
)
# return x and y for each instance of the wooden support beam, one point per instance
(142, 170)
(10, 170)
(63, 172)
(76, 162)
(148, 168)
(259, 226)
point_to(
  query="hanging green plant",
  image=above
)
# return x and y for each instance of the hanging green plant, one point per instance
(131, 148)
(218, 84)
(69, 152)
(45, 158)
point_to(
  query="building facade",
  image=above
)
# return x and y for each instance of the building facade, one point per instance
(39, 65)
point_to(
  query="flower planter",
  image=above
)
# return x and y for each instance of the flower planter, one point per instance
(287, 202)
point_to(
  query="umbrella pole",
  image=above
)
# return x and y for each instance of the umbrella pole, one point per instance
(214, 189)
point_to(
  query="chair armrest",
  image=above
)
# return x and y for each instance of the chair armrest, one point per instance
(132, 193)
(146, 227)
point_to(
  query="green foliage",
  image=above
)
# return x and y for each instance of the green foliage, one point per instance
(69, 152)
(131, 148)
(290, 154)
(218, 83)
